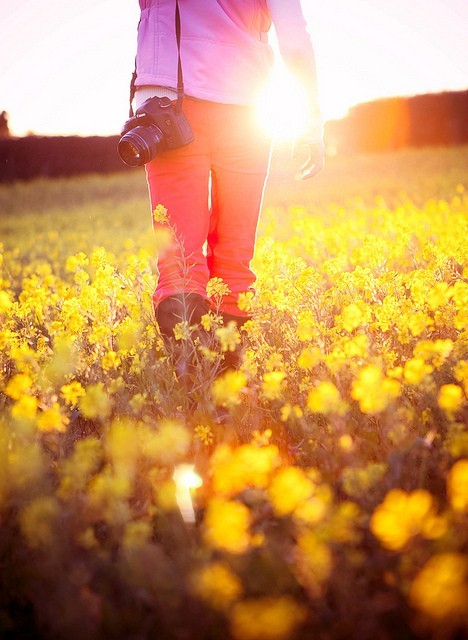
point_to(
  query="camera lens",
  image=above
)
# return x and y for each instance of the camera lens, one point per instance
(140, 145)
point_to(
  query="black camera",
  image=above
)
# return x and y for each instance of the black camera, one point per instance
(156, 126)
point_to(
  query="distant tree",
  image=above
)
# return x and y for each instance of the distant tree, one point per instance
(4, 128)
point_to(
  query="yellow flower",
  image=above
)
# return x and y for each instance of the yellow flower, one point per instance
(25, 408)
(208, 321)
(373, 390)
(108, 496)
(226, 525)
(357, 347)
(96, 403)
(352, 317)
(5, 302)
(401, 516)
(436, 351)
(71, 392)
(325, 398)
(440, 590)
(166, 445)
(128, 334)
(274, 361)
(137, 402)
(122, 446)
(244, 301)
(266, 618)
(182, 330)
(289, 410)
(110, 361)
(226, 389)
(74, 262)
(20, 384)
(346, 442)
(228, 336)
(450, 398)
(217, 288)
(52, 419)
(77, 469)
(309, 358)
(457, 485)
(248, 465)
(418, 322)
(438, 296)
(415, 370)
(204, 434)
(217, 585)
(289, 489)
(272, 384)
(160, 214)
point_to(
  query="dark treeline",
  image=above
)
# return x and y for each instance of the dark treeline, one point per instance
(58, 156)
(396, 123)
(390, 123)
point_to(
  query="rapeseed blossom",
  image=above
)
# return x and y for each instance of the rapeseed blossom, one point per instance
(227, 526)
(96, 402)
(72, 391)
(266, 618)
(52, 419)
(20, 384)
(402, 515)
(249, 465)
(273, 384)
(351, 394)
(450, 398)
(325, 398)
(289, 489)
(227, 388)
(228, 336)
(440, 590)
(373, 390)
(457, 486)
(216, 584)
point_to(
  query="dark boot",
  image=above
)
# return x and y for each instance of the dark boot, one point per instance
(189, 307)
(180, 307)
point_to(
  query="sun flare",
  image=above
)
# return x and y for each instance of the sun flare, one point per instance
(282, 106)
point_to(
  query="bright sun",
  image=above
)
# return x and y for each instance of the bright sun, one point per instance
(282, 107)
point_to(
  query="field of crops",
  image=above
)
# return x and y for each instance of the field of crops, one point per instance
(334, 462)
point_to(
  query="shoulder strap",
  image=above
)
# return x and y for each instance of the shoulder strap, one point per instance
(180, 79)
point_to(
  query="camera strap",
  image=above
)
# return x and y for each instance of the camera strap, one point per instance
(180, 79)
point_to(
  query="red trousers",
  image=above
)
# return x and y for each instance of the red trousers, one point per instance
(212, 190)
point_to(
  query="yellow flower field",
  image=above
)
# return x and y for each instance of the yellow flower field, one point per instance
(334, 463)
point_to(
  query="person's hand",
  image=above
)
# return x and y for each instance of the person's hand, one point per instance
(316, 155)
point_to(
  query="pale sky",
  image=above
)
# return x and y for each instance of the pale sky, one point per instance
(65, 65)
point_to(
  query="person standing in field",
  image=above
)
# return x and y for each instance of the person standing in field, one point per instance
(212, 188)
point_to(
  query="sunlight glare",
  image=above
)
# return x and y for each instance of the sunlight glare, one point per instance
(186, 479)
(282, 106)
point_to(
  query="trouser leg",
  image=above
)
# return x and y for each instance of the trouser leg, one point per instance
(179, 180)
(239, 170)
(231, 241)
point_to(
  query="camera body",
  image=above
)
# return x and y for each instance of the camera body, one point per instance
(157, 126)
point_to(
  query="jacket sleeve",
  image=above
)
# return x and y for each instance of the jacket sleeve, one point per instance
(296, 47)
